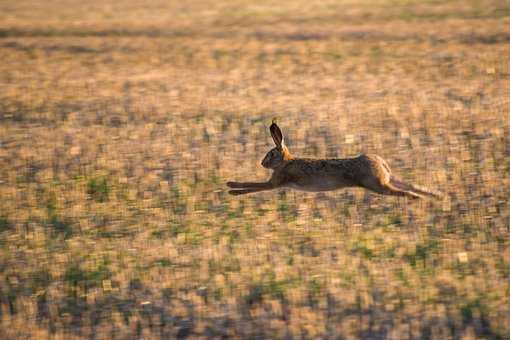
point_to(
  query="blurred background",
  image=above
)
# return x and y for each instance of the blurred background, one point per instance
(121, 121)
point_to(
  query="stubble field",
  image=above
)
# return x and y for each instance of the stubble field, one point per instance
(121, 122)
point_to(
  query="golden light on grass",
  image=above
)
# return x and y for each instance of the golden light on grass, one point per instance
(120, 124)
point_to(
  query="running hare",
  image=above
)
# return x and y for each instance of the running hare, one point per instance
(367, 171)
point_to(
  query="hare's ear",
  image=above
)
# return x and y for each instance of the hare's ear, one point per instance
(277, 135)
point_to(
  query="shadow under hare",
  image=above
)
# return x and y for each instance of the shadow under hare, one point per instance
(367, 171)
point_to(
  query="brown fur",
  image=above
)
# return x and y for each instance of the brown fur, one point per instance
(367, 171)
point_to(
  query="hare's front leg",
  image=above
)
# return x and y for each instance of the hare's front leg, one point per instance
(244, 191)
(242, 188)
(250, 185)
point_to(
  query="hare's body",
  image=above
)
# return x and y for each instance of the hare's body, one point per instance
(306, 174)
(329, 174)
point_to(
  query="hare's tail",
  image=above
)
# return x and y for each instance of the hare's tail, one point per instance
(417, 189)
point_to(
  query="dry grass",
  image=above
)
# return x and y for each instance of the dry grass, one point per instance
(120, 124)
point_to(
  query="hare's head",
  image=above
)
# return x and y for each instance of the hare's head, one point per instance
(279, 154)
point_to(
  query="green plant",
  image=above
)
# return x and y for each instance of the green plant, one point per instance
(98, 189)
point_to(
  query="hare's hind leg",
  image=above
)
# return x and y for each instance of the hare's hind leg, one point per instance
(416, 189)
(376, 176)
(387, 188)
(392, 190)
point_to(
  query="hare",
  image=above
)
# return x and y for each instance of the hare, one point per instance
(306, 174)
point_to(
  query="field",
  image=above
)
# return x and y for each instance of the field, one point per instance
(121, 122)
